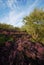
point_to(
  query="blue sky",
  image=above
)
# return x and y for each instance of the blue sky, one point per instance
(13, 11)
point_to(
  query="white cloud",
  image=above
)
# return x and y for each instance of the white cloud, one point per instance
(14, 17)
(10, 3)
(13, 5)
(31, 7)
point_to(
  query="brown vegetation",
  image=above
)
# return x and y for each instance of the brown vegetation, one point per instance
(21, 51)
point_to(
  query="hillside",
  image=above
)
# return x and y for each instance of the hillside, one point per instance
(17, 49)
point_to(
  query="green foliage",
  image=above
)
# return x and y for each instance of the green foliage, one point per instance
(5, 26)
(4, 38)
(34, 25)
(9, 27)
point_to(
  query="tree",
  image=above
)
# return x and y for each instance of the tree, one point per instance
(6, 26)
(34, 25)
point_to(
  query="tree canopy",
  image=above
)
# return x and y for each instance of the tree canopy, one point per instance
(34, 25)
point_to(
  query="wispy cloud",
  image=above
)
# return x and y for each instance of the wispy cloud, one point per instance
(13, 18)
(10, 3)
(2, 5)
(31, 7)
(16, 13)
